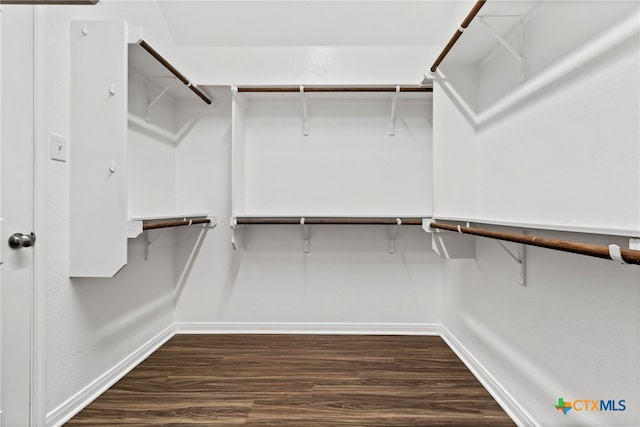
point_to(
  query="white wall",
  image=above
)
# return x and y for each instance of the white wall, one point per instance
(310, 65)
(151, 169)
(348, 280)
(572, 332)
(558, 150)
(564, 155)
(92, 325)
(348, 164)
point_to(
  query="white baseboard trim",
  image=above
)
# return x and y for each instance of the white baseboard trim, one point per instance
(80, 400)
(308, 328)
(499, 393)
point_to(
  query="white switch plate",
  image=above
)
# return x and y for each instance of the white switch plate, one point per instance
(58, 147)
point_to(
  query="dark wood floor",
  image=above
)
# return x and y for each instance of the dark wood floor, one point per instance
(298, 380)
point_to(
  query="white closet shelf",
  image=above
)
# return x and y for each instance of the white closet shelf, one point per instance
(612, 252)
(333, 92)
(328, 220)
(600, 229)
(139, 224)
(147, 61)
(305, 221)
(333, 89)
(309, 94)
(51, 2)
(475, 40)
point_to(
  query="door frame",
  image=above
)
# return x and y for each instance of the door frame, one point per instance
(39, 123)
(40, 170)
(31, 119)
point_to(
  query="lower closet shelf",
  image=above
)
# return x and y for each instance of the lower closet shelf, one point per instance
(139, 224)
(305, 221)
(309, 220)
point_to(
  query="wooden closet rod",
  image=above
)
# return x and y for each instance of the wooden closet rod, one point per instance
(327, 220)
(311, 89)
(628, 255)
(51, 2)
(174, 71)
(180, 223)
(472, 14)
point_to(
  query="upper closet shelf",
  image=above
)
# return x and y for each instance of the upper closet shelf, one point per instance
(366, 92)
(147, 61)
(488, 26)
(349, 93)
(316, 89)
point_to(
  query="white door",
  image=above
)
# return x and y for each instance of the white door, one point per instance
(16, 209)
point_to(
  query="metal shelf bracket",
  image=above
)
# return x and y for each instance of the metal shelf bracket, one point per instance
(305, 115)
(238, 98)
(157, 98)
(518, 55)
(235, 237)
(394, 101)
(305, 236)
(393, 230)
(520, 258)
(148, 242)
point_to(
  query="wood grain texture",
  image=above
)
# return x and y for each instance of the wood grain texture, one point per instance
(298, 380)
(174, 71)
(630, 256)
(324, 89)
(310, 220)
(454, 39)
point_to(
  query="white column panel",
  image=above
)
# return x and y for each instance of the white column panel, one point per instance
(98, 202)
(237, 157)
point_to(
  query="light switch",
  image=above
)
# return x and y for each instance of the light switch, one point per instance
(58, 147)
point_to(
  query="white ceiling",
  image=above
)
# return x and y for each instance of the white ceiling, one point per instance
(309, 22)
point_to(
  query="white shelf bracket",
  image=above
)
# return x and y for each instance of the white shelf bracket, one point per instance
(305, 236)
(519, 56)
(235, 238)
(238, 98)
(213, 222)
(157, 98)
(394, 101)
(305, 115)
(393, 230)
(521, 259)
(148, 242)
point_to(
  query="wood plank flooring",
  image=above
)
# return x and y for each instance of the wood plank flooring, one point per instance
(298, 380)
